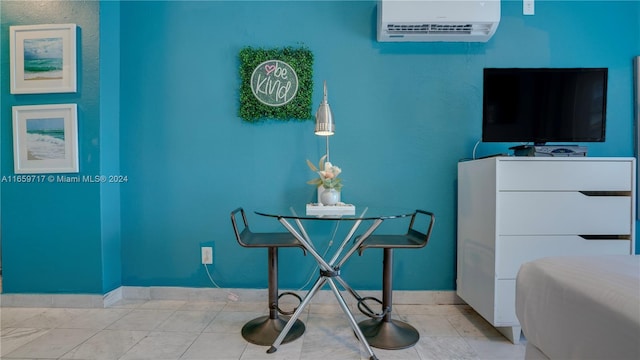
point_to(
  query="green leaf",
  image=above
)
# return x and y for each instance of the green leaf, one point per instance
(311, 166)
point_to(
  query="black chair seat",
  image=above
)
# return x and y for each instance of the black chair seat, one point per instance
(413, 239)
(251, 239)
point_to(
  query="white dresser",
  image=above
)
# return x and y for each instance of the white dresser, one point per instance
(515, 209)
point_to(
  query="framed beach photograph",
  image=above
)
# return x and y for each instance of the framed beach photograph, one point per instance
(45, 139)
(43, 58)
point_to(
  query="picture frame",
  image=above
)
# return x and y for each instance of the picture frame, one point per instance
(275, 83)
(43, 59)
(45, 139)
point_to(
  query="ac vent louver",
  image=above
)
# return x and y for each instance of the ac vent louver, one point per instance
(431, 29)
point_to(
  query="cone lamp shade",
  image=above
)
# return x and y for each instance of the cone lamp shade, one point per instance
(324, 117)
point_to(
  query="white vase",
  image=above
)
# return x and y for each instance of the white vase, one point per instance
(329, 196)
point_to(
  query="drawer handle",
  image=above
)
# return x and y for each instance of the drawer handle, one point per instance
(606, 193)
(606, 237)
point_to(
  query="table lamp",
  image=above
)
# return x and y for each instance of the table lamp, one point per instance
(324, 120)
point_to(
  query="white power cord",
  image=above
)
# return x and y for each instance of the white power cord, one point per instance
(475, 147)
(231, 296)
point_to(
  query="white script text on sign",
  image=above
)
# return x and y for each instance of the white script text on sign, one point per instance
(274, 83)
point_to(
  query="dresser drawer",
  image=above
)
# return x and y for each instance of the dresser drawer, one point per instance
(513, 251)
(585, 175)
(563, 213)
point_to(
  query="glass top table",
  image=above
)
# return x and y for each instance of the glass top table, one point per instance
(330, 267)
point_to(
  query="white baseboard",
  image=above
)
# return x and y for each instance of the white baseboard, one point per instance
(400, 297)
(52, 300)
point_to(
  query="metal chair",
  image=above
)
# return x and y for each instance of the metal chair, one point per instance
(381, 331)
(265, 329)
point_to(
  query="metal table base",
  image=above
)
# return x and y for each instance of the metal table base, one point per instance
(329, 273)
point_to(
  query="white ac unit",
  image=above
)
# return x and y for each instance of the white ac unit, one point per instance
(437, 20)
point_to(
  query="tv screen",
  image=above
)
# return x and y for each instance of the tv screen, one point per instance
(543, 105)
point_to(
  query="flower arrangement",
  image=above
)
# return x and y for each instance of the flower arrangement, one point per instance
(328, 174)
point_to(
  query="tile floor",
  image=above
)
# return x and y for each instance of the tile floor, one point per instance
(172, 329)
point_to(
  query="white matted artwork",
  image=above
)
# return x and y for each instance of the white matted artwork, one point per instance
(45, 139)
(43, 58)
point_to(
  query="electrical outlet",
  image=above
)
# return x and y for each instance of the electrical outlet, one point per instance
(207, 255)
(528, 7)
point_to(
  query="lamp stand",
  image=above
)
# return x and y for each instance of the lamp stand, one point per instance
(327, 139)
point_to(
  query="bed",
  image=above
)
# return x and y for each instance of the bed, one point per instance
(580, 307)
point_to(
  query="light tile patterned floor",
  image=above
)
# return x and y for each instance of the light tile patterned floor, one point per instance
(173, 329)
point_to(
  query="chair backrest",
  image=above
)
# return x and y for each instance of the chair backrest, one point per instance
(245, 225)
(247, 238)
(418, 237)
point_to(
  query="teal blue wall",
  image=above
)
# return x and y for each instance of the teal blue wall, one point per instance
(110, 143)
(406, 113)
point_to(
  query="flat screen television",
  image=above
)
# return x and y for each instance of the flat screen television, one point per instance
(540, 105)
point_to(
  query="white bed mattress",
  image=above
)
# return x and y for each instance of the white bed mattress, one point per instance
(584, 307)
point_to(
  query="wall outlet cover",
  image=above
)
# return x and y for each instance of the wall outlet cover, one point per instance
(207, 255)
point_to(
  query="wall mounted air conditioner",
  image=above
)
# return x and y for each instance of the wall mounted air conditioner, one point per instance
(437, 20)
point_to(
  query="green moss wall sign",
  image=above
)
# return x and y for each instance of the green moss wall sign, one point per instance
(276, 84)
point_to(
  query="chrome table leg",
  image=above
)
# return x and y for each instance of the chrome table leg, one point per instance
(318, 284)
(352, 320)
